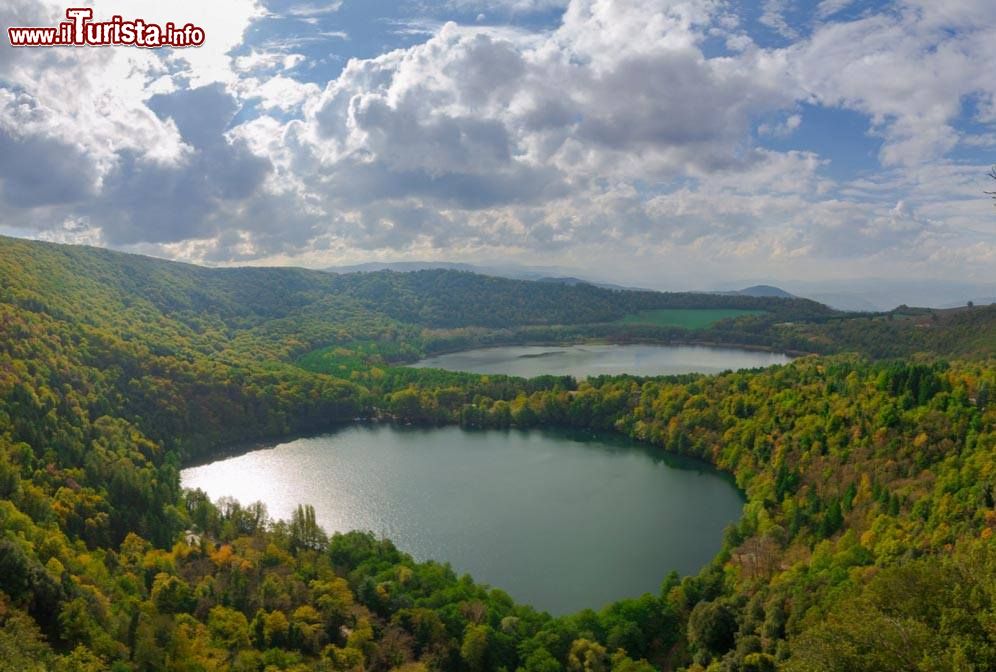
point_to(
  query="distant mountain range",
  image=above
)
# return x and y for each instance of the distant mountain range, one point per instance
(512, 271)
(550, 274)
(884, 294)
(572, 281)
(403, 267)
(553, 275)
(853, 303)
(766, 291)
(869, 295)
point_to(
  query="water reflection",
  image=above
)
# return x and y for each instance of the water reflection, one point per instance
(562, 520)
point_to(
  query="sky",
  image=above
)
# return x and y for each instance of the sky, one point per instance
(671, 144)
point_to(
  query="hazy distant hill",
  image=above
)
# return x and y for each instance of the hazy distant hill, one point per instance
(551, 275)
(766, 291)
(548, 274)
(849, 302)
(511, 271)
(869, 295)
(403, 267)
(572, 282)
(883, 294)
(981, 301)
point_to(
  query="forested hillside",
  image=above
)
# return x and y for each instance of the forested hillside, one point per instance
(445, 299)
(866, 543)
(63, 279)
(968, 332)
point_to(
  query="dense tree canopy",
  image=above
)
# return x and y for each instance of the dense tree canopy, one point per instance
(866, 543)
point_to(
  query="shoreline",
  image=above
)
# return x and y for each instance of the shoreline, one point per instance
(677, 460)
(794, 354)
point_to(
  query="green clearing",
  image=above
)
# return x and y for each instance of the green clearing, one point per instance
(686, 318)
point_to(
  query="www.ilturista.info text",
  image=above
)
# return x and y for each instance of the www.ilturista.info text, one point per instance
(80, 30)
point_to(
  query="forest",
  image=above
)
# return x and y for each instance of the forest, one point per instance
(869, 466)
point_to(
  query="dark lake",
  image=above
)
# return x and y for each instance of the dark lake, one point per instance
(582, 361)
(559, 520)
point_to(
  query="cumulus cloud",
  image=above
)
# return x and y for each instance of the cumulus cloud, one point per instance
(773, 16)
(909, 71)
(618, 133)
(57, 174)
(828, 8)
(485, 120)
(148, 202)
(515, 6)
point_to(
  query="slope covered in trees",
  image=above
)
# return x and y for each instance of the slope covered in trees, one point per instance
(448, 299)
(968, 332)
(866, 543)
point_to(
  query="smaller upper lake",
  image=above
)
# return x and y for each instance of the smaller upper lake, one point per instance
(583, 361)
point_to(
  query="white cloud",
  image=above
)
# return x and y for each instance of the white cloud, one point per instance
(267, 60)
(513, 6)
(80, 128)
(773, 16)
(783, 128)
(94, 98)
(224, 23)
(279, 93)
(309, 10)
(827, 8)
(910, 72)
(613, 136)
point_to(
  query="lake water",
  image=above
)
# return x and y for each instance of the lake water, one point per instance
(582, 361)
(562, 521)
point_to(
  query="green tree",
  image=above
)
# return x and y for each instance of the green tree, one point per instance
(304, 530)
(475, 647)
(171, 594)
(587, 656)
(229, 628)
(712, 627)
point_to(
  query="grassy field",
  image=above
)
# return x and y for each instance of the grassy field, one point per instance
(687, 318)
